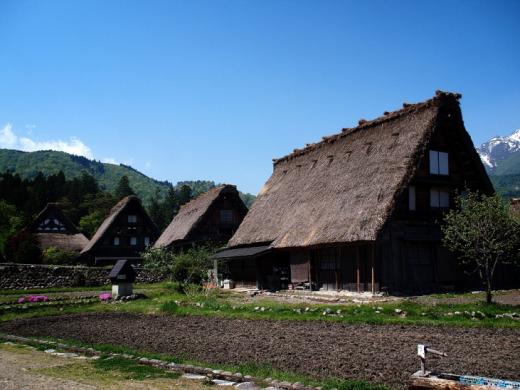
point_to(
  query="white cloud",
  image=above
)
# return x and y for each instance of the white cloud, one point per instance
(110, 160)
(8, 139)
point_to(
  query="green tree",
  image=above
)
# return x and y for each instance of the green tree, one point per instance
(10, 222)
(89, 223)
(123, 188)
(23, 248)
(483, 232)
(184, 194)
(188, 267)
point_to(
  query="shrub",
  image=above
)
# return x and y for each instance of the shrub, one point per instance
(53, 255)
(23, 248)
(188, 267)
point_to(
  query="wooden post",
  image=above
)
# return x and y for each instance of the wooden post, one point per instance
(372, 266)
(309, 270)
(357, 270)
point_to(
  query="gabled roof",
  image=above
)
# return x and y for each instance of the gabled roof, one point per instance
(53, 209)
(70, 239)
(190, 214)
(343, 188)
(112, 215)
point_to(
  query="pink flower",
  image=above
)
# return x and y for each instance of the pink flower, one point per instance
(38, 298)
(105, 296)
(21, 300)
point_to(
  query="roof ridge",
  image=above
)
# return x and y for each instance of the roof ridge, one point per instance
(219, 187)
(363, 123)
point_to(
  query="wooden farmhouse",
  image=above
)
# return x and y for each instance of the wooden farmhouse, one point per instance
(359, 210)
(212, 217)
(123, 235)
(52, 228)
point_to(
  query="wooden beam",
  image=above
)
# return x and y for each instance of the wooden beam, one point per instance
(372, 266)
(357, 270)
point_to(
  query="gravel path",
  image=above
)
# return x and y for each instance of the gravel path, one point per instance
(17, 372)
(384, 354)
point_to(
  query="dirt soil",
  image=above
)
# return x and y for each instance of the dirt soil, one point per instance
(376, 353)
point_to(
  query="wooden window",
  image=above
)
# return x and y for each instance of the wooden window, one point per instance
(226, 216)
(132, 218)
(439, 198)
(411, 198)
(116, 241)
(439, 163)
(133, 241)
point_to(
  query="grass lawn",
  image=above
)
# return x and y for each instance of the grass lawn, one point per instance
(164, 298)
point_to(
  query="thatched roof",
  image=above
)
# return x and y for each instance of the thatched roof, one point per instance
(343, 188)
(190, 214)
(70, 238)
(69, 242)
(112, 215)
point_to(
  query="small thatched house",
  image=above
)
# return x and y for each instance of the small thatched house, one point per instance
(52, 228)
(212, 217)
(359, 210)
(123, 235)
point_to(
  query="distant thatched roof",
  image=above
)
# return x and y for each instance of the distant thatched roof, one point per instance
(69, 242)
(70, 238)
(191, 214)
(343, 188)
(112, 215)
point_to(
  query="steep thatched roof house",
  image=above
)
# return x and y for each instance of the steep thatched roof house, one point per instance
(52, 228)
(124, 234)
(358, 210)
(213, 216)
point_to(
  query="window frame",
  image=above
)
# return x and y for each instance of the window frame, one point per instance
(441, 196)
(227, 213)
(439, 163)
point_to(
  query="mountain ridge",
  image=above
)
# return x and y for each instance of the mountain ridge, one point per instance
(28, 164)
(498, 151)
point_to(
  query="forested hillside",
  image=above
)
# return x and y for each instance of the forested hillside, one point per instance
(29, 164)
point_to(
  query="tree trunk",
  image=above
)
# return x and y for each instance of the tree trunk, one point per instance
(489, 295)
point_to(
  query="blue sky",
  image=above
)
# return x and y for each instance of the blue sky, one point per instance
(216, 89)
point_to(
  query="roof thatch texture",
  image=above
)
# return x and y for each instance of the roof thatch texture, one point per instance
(70, 239)
(191, 214)
(112, 215)
(70, 242)
(343, 188)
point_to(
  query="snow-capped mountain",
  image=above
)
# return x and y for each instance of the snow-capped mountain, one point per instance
(498, 149)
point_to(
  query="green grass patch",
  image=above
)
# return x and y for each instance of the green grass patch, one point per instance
(23, 292)
(404, 312)
(130, 369)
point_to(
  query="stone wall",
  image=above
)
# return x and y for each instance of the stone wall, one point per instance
(21, 276)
